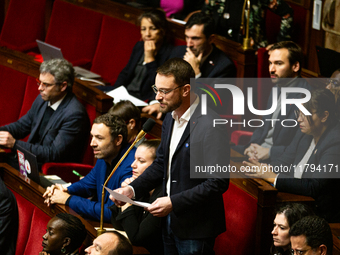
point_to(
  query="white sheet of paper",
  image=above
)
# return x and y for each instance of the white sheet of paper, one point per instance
(125, 199)
(121, 93)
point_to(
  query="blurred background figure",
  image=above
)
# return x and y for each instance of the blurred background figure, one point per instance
(131, 115)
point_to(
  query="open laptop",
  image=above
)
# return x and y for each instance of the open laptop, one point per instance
(28, 164)
(49, 51)
(329, 61)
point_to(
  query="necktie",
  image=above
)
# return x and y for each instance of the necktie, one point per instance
(47, 115)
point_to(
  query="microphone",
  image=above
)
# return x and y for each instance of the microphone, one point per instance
(148, 125)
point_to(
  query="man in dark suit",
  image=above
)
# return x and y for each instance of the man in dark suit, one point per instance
(269, 141)
(57, 122)
(192, 204)
(9, 220)
(205, 58)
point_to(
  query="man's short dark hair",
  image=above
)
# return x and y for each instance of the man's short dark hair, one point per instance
(179, 68)
(316, 230)
(61, 69)
(123, 246)
(116, 125)
(200, 18)
(294, 52)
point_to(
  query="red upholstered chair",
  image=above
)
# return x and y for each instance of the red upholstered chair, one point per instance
(64, 170)
(31, 93)
(240, 137)
(115, 45)
(20, 33)
(12, 85)
(75, 30)
(240, 214)
(32, 226)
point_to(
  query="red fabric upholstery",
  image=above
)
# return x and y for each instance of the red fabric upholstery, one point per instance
(240, 137)
(38, 229)
(31, 93)
(179, 42)
(240, 213)
(32, 226)
(75, 30)
(115, 45)
(20, 33)
(12, 86)
(64, 170)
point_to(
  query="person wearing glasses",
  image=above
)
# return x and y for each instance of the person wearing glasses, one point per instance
(57, 123)
(310, 164)
(192, 208)
(311, 235)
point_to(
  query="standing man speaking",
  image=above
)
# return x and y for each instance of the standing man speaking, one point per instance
(192, 206)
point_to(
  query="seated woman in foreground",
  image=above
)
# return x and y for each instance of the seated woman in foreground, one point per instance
(65, 234)
(139, 74)
(142, 228)
(310, 164)
(285, 217)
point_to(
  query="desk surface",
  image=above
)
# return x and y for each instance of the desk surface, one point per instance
(33, 193)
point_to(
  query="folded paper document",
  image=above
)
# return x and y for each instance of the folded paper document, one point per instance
(121, 93)
(125, 199)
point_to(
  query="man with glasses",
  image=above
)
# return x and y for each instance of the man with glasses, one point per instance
(311, 235)
(192, 207)
(270, 140)
(57, 123)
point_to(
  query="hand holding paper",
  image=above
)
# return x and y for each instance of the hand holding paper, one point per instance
(125, 199)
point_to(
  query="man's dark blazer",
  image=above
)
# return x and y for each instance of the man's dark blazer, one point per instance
(217, 64)
(9, 220)
(66, 134)
(314, 183)
(282, 136)
(128, 73)
(198, 210)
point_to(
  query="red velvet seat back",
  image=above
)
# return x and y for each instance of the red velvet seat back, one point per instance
(12, 86)
(20, 33)
(31, 93)
(115, 45)
(32, 226)
(240, 214)
(38, 229)
(75, 30)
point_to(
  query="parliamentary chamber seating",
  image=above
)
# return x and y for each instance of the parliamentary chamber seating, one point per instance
(102, 44)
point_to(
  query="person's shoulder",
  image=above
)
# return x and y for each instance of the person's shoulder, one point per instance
(219, 55)
(178, 51)
(302, 83)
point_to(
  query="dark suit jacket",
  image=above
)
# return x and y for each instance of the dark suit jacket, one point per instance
(314, 183)
(127, 74)
(9, 220)
(282, 136)
(65, 137)
(198, 210)
(217, 64)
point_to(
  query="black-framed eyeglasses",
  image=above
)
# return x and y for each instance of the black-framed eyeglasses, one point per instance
(45, 84)
(163, 92)
(334, 82)
(299, 252)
